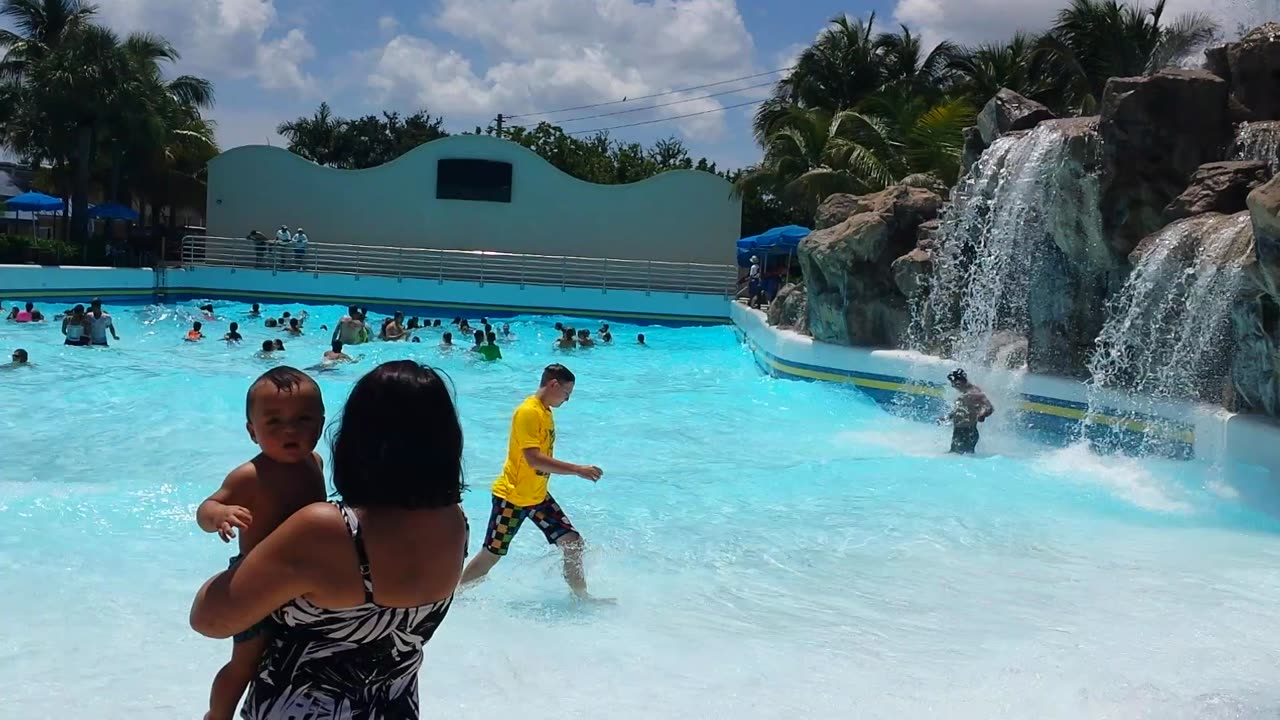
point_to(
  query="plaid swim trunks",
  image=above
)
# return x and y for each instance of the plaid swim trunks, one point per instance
(505, 521)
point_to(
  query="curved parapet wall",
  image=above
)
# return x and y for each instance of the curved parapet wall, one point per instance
(679, 216)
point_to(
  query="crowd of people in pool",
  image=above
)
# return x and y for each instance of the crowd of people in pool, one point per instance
(330, 603)
(85, 328)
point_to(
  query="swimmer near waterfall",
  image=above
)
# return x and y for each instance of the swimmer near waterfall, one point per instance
(971, 408)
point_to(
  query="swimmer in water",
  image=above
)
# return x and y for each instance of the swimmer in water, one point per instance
(490, 351)
(254, 311)
(194, 334)
(567, 340)
(272, 322)
(233, 333)
(278, 345)
(335, 355)
(17, 360)
(295, 327)
(446, 341)
(479, 338)
(506, 330)
(640, 339)
(584, 338)
(268, 347)
(350, 328)
(606, 338)
(285, 414)
(207, 309)
(971, 408)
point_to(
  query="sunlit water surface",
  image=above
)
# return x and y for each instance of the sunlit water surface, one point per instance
(777, 548)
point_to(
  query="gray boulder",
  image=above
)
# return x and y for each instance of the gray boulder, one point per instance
(1252, 67)
(1264, 210)
(853, 297)
(834, 210)
(1008, 111)
(790, 308)
(1156, 131)
(973, 147)
(1219, 187)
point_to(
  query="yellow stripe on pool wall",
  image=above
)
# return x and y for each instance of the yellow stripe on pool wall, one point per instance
(784, 368)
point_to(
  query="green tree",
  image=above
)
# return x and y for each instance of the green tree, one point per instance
(1020, 64)
(1094, 40)
(364, 142)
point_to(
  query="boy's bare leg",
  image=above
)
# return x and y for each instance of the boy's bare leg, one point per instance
(479, 566)
(574, 574)
(234, 677)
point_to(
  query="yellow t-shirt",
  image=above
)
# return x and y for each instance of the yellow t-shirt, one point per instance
(531, 427)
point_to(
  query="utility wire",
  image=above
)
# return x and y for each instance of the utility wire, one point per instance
(665, 119)
(648, 97)
(666, 104)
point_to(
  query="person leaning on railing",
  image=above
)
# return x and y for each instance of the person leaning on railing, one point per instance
(259, 246)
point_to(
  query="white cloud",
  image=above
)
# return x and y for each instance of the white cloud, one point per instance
(388, 24)
(221, 38)
(974, 21)
(560, 53)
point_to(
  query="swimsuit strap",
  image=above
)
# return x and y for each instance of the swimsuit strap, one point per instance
(353, 527)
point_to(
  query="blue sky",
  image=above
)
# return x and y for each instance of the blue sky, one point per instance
(467, 60)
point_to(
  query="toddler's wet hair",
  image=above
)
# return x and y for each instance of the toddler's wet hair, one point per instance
(283, 378)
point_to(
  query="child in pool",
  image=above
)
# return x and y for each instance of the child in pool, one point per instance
(268, 347)
(295, 328)
(285, 413)
(233, 334)
(194, 334)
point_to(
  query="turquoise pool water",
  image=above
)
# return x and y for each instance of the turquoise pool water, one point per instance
(777, 548)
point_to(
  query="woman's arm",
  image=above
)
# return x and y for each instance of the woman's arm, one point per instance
(284, 566)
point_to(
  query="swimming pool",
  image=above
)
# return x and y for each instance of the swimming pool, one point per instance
(777, 548)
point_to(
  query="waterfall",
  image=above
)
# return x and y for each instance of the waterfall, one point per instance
(1166, 336)
(1024, 206)
(1258, 141)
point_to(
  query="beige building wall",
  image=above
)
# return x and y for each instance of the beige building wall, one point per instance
(684, 215)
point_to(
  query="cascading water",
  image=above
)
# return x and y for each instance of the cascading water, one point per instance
(1003, 236)
(1258, 141)
(1166, 336)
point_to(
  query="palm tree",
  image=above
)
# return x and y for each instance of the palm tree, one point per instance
(42, 27)
(812, 153)
(905, 65)
(1094, 40)
(1020, 64)
(316, 138)
(835, 73)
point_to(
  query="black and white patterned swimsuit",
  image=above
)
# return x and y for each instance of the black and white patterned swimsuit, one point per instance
(360, 663)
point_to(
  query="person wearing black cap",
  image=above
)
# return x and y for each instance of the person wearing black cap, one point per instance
(971, 408)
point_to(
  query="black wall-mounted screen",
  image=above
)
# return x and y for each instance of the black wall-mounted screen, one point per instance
(484, 180)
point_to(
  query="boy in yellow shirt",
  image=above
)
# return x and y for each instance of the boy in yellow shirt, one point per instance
(521, 490)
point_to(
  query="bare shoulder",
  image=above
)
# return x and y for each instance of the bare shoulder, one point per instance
(319, 460)
(240, 486)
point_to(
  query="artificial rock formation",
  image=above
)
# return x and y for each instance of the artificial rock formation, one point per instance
(790, 309)
(1255, 319)
(1219, 187)
(1009, 112)
(852, 296)
(1156, 131)
(1251, 67)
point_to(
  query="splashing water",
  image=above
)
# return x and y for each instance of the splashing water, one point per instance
(1000, 238)
(1165, 336)
(1258, 141)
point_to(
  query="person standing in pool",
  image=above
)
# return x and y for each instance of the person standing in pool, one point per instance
(76, 327)
(971, 408)
(99, 324)
(520, 492)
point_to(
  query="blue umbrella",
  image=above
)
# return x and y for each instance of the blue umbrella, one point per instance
(114, 211)
(34, 202)
(778, 241)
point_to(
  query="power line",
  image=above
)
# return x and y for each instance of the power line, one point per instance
(648, 97)
(665, 119)
(666, 104)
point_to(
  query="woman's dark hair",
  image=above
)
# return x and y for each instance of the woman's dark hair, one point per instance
(448, 337)
(399, 443)
(479, 337)
(268, 346)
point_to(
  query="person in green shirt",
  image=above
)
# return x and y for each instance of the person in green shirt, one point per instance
(486, 350)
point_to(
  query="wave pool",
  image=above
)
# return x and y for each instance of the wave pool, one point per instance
(777, 548)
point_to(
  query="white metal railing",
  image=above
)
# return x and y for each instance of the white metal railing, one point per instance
(481, 266)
